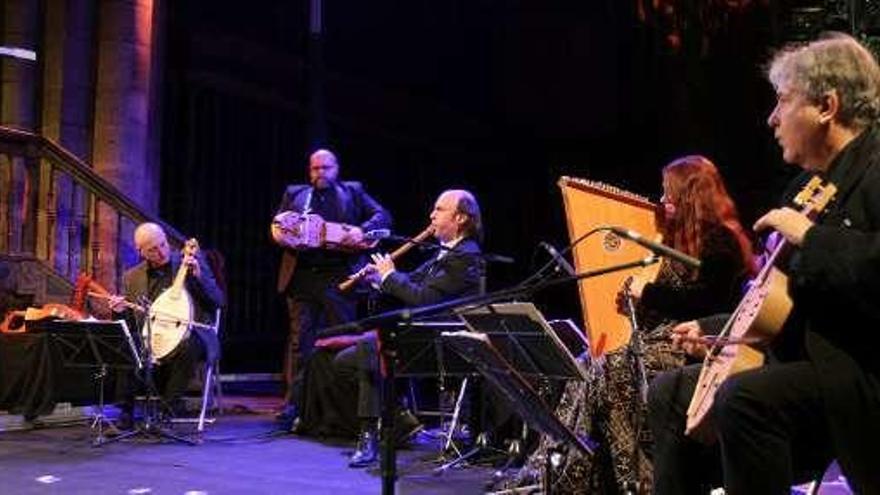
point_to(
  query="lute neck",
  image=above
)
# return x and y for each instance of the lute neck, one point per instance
(190, 247)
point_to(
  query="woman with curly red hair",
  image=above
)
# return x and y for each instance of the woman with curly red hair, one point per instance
(698, 218)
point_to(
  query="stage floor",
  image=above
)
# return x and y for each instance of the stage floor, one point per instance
(242, 453)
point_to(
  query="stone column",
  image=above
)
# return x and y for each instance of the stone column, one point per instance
(18, 109)
(124, 104)
(19, 77)
(68, 106)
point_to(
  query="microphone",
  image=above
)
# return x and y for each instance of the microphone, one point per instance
(656, 247)
(561, 262)
(377, 234)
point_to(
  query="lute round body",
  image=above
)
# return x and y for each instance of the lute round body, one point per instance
(169, 322)
(170, 316)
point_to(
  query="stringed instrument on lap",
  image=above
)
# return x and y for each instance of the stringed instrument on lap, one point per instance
(16, 320)
(170, 316)
(759, 316)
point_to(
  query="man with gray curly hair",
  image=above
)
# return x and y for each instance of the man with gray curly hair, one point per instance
(836, 70)
(818, 398)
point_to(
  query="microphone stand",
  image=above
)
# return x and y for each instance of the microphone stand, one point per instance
(149, 427)
(390, 322)
(636, 354)
(635, 344)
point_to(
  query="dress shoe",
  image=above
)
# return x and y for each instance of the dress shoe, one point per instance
(406, 426)
(297, 427)
(367, 450)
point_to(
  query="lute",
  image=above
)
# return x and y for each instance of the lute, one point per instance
(758, 317)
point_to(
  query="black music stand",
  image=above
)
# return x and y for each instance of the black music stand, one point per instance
(571, 336)
(519, 332)
(478, 349)
(423, 354)
(511, 344)
(514, 339)
(101, 345)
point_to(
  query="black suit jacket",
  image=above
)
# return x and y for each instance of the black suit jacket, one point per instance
(206, 298)
(835, 277)
(356, 208)
(454, 274)
(834, 281)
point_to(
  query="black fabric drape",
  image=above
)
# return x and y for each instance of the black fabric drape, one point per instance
(34, 378)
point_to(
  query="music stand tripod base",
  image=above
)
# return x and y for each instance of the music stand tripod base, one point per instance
(150, 428)
(481, 446)
(150, 425)
(105, 345)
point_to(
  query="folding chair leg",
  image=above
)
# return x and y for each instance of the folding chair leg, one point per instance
(218, 389)
(206, 391)
(456, 413)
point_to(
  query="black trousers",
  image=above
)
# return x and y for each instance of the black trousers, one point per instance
(360, 364)
(173, 376)
(772, 432)
(312, 304)
(326, 407)
(170, 377)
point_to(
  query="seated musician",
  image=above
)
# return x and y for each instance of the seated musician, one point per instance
(147, 281)
(452, 272)
(699, 219)
(819, 397)
(307, 278)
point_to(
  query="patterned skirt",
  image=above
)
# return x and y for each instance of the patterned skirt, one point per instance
(610, 409)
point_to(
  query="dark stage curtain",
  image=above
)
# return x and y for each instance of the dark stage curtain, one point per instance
(501, 99)
(223, 188)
